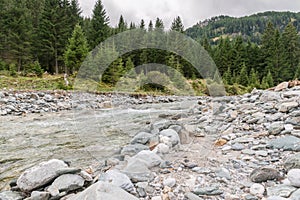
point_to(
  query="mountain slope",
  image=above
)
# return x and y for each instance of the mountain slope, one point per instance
(250, 27)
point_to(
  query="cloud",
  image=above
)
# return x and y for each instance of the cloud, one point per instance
(191, 11)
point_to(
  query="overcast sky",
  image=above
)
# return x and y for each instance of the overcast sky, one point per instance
(191, 11)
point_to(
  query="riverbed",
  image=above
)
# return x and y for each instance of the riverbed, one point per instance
(82, 137)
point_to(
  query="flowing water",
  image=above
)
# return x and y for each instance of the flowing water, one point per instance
(82, 137)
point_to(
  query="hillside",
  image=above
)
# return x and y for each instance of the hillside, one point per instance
(250, 27)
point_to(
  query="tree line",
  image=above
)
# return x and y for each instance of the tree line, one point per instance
(52, 36)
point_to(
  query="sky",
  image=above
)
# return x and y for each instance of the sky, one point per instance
(191, 11)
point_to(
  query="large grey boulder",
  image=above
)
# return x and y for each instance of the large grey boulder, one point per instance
(294, 177)
(141, 138)
(173, 135)
(288, 143)
(276, 128)
(149, 158)
(138, 172)
(293, 162)
(40, 175)
(133, 149)
(119, 179)
(68, 182)
(9, 195)
(103, 191)
(264, 174)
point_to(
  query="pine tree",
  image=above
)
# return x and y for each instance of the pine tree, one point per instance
(142, 25)
(99, 29)
(297, 74)
(291, 44)
(269, 79)
(132, 26)
(243, 77)
(253, 80)
(177, 25)
(150, 26)
(159, 25)
(227, 77)
(122, 25)
(76, 51)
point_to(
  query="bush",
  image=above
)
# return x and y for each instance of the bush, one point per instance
(13, 69)
(34, 68)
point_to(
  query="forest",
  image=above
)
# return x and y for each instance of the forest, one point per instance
(52, 36)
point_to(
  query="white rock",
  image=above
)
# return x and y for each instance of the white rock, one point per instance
(294, 177)
(170, 182)
(257, 189)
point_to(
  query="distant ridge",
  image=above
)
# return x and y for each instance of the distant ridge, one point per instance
(250, 27)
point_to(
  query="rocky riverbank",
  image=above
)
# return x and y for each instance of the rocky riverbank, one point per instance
(240, 147)
(22, 103)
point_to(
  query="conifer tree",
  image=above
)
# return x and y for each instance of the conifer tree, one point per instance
(177, 25)
(243, 77)
(99, 29)
(76, 51)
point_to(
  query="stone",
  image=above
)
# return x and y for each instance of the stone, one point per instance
(10, 195)
(264, 174)
(293, 162)
(210, 191)
(36, 195)
(170, 182)
(288, 143)
(156, 198)
(238, 147)
(293, 120)
(294, 177)
(295, 195)
(257, 189)
(68, 182)
(40, 175)
(223, 173)
(192, 196)
(141, 138)
(149, 158)
(281, 190)
(173, 135)
(133, 149)
(276, 128)
(277, 198)
(261, 153)
(248, 152)
(103, 191)
(287, 106)
(281, 86)
(119, 179)
(162, 148)
(138, 172)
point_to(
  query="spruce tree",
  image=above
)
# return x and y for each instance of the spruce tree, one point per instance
(142, 25)
(76, 51)
(291, 44)
(243, 77)
(159, 25)
(99, 29)
(122, 25)
(177, 25)
(150, 26)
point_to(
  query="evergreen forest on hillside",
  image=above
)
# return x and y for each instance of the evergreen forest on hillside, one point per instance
(39, 36)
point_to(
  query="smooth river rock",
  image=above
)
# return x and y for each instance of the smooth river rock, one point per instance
(40, 175)
(103, 191)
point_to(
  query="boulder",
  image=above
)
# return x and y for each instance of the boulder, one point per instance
(293, 162)
(264, 174)
(149, 158)
(103, 191)
(294, 177)
(288, 143)
(40, 175)
(173, 135)
(68, 182)
(119, 179)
